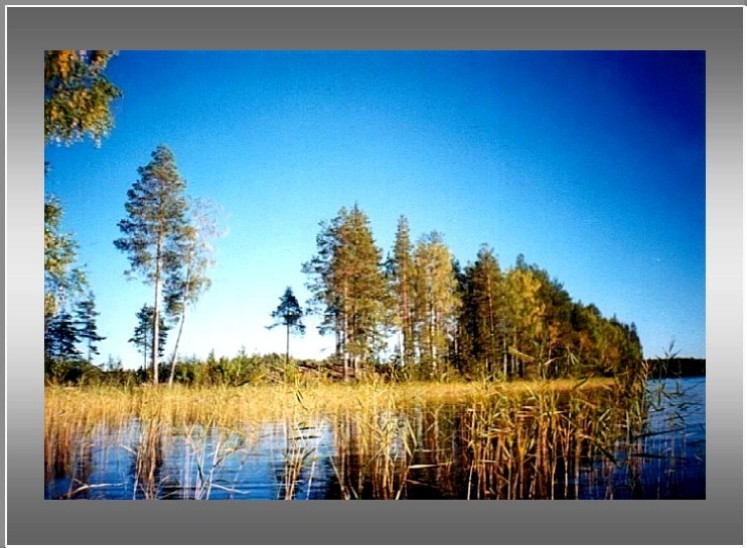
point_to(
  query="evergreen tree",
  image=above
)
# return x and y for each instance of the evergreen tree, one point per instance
(349, 287)
(142, 336)
(62, 337)
(85, 313)
(289, 314)
(401, 275)
(154, 228)
(483, 314)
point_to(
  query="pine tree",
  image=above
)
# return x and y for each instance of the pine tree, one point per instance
(142, 336)
(85, 314)
(62, 337)
(402, 286)
(154, 228)
(482, 314)
(349, 287)
(289, 313)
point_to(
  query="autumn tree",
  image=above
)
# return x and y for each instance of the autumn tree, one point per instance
(77, 95)
(436, 302)
(154, 228)
(525, 311)
(289, 313)
(555, 342)
(349, 288)
(188, 280)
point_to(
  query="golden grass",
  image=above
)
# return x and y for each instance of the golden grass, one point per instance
(511, 437)
(229, 406)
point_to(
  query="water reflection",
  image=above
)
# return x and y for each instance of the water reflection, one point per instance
(546, 449)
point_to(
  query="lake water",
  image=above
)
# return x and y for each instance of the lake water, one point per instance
(416, 453)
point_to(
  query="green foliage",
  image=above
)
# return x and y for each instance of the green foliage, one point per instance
(155, 228)
(483, 332)
(85, 315)
(61, 338)
(349, 288)
(78, 372)
(142, 336)
(187, 281)
(237, 371)
(436, 301)
(401, 276)
(289, 314)
(62, 280)
(77, 95)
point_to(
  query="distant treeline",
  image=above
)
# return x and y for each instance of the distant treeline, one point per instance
(412, 313)
(677, 367)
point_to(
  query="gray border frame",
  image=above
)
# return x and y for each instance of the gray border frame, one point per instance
(31, 520)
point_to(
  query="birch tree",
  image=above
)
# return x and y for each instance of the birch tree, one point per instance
(188, 280)
(435, 301)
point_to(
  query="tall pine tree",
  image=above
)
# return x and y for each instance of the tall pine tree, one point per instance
(482, 315)
(348, 286)
(401, 272)
(154, 227)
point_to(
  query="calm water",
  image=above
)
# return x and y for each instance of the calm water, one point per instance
(424, 459)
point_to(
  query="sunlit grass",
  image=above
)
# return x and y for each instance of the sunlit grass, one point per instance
(511, 438)
(85, 407)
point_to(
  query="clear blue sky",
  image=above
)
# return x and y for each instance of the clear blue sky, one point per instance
(591, 164)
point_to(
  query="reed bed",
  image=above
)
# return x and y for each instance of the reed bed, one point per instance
(454, 439)
(229, 406)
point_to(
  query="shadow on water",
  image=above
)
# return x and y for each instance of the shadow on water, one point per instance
(543, 445)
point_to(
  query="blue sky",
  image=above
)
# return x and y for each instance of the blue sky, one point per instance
(591, 164)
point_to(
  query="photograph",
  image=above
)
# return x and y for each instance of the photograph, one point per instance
(348, 275)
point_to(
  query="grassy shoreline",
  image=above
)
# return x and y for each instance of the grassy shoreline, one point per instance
(213, 405)
(470, 439)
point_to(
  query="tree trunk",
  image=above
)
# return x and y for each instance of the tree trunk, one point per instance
(176, 344)
(287, 351)
(156, 311)
(287, 344)
(185, 300)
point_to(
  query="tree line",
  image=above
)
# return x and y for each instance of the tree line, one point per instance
(479, 320)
